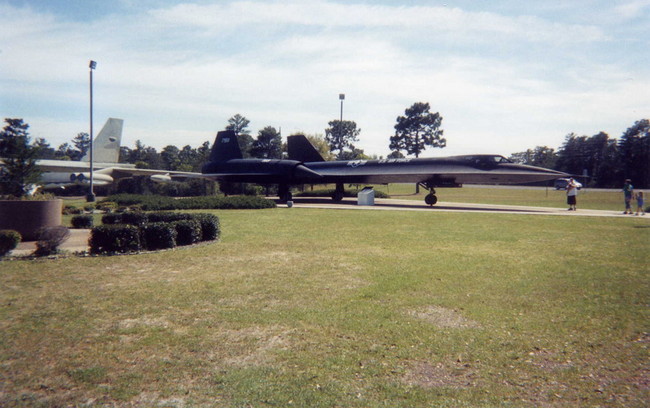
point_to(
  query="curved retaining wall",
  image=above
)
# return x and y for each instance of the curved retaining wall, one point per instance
(27, 217)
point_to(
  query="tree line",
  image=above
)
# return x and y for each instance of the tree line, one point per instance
(606, 161)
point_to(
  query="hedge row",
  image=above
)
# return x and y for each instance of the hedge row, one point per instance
(329, 192)
(160, 203)
(133, 232)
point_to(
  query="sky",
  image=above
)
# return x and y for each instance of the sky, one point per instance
(505, 75)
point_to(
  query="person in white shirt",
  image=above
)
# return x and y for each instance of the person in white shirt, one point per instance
(572, 193)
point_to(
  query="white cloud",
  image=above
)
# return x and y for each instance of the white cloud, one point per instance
(177, 73)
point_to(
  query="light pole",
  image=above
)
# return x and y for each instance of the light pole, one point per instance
(91, 195)
(341, 97)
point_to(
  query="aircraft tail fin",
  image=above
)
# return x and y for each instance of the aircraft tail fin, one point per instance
(226, 147)
(106, 146)
(301, 149)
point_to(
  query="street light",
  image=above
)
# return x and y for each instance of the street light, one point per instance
(91, 195)
(341, 97)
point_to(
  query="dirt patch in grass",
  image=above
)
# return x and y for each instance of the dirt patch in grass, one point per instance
(444, 318)
(428, 375)
(254, 346)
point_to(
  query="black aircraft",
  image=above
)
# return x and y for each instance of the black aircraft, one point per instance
(306, 166)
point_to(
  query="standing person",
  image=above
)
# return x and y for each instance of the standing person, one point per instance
(628, 192)
(572, 194)
(639, 203)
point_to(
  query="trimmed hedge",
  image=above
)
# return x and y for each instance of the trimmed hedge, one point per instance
(188, 232)
(329, 192)
(159, 203)
(111, 239)
(9, 240)
(82, 221)
(158, 235)
(161, 230)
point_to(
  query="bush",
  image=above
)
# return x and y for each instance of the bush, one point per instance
(49, 240)
(210, 228)
(188, 232)
(158, 235)
(68, 210)
(107, 207)
(110, 219)
(159, 203)
(137, 218)
(9, 240)
(110, 239)
(82, 221)
(168, 216)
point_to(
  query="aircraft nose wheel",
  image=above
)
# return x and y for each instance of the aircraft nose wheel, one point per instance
(431, 199)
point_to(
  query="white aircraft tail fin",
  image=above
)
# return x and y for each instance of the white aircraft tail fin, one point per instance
(106, 146)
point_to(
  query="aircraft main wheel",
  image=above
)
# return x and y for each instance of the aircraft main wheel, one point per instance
(286, 197)
(431, 199)
(337, 196)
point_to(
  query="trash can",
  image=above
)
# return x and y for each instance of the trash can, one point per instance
(366, 196)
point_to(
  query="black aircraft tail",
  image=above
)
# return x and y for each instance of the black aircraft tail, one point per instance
(226, 147)
(301, 149)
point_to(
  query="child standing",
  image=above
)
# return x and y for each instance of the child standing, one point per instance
(639, 203)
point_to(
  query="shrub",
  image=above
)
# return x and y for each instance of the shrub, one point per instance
(159, 203)
(82, 221)
(110, 239)
(188, 232)
(109, 219)
(49, 240)
(158, 235)
(210, 228)
(107, 207)
(9, 240)
(168, 216)
(68, 210)
(137, 218)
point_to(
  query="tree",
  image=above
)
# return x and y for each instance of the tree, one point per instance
(541, 156)
(82, 143)
(268, 144)
(634, 148)
(19, 172)
(417, 130)
(340, 135)
(238, 124)
(170, 157)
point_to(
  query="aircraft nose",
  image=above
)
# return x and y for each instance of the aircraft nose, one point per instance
(301, 171)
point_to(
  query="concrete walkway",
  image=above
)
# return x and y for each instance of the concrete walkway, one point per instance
(77, 242)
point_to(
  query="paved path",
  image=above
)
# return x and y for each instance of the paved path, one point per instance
(417, 205)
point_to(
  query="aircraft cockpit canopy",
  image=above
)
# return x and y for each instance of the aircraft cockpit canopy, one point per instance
(486, 160)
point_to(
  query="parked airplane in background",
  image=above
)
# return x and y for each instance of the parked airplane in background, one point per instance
(106, 169)
(306, 166)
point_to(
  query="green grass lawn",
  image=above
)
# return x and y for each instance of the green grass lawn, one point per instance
(593, 199)
(322, 308)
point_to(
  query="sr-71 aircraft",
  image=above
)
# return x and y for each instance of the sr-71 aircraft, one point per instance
(106, 169)
(305, 165)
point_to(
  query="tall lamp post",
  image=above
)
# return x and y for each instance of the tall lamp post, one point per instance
(91, 195)
(341, 97)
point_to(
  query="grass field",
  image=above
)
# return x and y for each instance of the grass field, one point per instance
(321, 308)
(593, 199)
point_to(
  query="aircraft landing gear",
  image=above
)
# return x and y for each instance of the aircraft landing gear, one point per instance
(338, 193)
(284, 193)
(430, 199)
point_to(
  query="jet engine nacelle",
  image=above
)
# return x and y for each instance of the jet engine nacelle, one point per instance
(98, 179)
(161, 178)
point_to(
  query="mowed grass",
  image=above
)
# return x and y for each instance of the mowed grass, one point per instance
(323, 308)
(593, 199)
